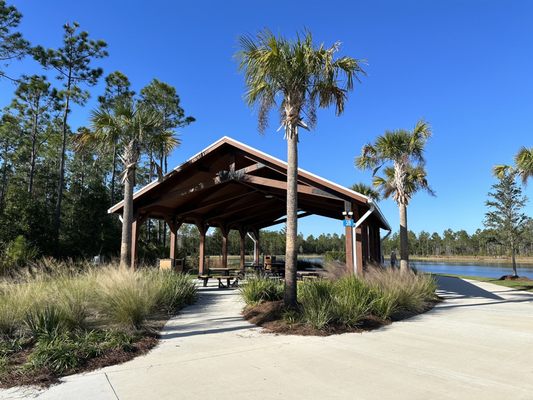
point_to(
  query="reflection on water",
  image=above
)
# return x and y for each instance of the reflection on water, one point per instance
(464, 268)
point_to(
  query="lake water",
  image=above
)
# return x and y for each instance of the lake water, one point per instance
(472, 269)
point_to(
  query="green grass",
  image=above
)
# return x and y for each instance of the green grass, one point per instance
(518, 285)
(69, 315)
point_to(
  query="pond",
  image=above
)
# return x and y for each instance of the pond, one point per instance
(486, 270)
(473, 269)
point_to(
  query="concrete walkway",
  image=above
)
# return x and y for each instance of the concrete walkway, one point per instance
(478, 344)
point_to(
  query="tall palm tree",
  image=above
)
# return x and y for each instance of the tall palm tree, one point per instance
(523, 165)
(404, 150)
(131, 125)
(302, 77)
(366, 190)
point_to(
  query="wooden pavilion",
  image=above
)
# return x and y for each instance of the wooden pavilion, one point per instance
(230, 185)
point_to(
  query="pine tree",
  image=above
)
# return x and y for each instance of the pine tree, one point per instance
(505, 215)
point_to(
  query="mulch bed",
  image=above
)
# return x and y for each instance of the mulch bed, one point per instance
(44, 377)
(269, 315)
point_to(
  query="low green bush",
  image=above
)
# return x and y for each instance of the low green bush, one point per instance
(57, 353)
(174, 290)
(45, 322)
(260, 288)
(353, 300)
(317, 302)
(349, 300)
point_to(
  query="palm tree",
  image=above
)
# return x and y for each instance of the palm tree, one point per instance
(366, 190)
(523, 165)
(404, 149)
(130, 125)
(303, 77)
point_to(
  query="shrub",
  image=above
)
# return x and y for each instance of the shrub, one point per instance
(17, 253)
(45, 322)
(353, 300)
(260, 288)
(58, 353)
(174, 290)
(317, 303)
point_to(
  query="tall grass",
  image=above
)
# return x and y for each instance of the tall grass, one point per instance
(349, 300)
(258, 289)
(94, 298)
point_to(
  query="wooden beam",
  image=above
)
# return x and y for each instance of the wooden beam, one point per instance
(236, 209)
(280, 221)
(274, 183)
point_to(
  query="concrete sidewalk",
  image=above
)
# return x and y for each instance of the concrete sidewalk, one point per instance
(478, 344)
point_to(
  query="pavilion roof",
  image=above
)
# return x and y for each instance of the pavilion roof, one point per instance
(232, 185)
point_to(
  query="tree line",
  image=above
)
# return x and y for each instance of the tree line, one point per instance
(57, 180)
(483, 242)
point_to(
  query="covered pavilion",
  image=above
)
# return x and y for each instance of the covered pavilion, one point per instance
(230, 185)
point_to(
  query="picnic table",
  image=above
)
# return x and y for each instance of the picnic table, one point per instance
(222, 274)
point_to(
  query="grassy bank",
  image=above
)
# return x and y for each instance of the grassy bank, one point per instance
(526, 285)
(64, 320)
(471, 259)
(341, 305)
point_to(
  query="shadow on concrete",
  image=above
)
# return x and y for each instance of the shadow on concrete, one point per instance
(206, 331)
(458, 288)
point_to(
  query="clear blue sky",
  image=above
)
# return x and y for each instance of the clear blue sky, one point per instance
(464, 66)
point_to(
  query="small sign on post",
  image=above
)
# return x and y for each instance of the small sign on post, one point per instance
(348, 222)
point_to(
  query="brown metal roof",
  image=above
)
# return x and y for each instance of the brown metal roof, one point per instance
(236, 186)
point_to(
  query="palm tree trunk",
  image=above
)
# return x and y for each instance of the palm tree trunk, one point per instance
(127, 212)
(292, 208)
(113, 173)
(404, 239)
(513, 259)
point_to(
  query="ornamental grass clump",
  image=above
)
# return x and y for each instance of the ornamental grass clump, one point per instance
(260, 288)
(401, 291)
(125, 298)
(317, 302)
(347, 302)
(174, 291)
(60, 315)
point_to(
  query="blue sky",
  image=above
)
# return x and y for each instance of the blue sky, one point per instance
(464, 66)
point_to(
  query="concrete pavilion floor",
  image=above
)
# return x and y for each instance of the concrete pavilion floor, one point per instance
(477, 344)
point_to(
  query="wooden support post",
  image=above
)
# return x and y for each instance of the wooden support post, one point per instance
(371, 244)
(225, 232)
(358, 245)
(242, 234)
(174, 226)
(257, 247)
(364, 243)
(349, 247)
(202, 228)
